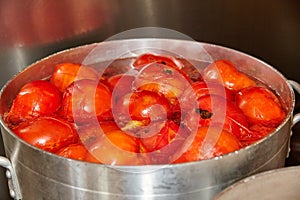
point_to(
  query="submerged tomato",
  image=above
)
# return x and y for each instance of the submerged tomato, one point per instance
(209, 142)
(224, 71)
(261, 106)
(66, 73)
(36, 98)
(117, 148)
(140, 108)
(147, 58)
(47, 133)
(85, 99)
(74, 151)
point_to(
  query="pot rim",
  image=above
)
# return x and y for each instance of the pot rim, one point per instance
(214, 159)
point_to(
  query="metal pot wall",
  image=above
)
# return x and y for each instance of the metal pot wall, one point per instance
(271, 185)
(36, 174)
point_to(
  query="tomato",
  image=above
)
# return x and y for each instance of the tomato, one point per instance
(117, 148)
(214, 110)
(85, 99)
(148, 58)
(36, 98)
(225, 72)
(47, 133)
(120, 85)
(140, 108)
(74, 151)
(66, 73)
(162, 79)
(209, 142)
(261, 106)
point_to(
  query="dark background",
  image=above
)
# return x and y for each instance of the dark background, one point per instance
(268, 30)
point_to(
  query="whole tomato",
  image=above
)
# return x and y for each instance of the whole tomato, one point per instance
(36, 98)
(261, 106)
(76, 151)
(208, 142)
(140, 108)
(148, 58)
(225, 72)
(117, 148)
(214, 110)
(66, 73)
(162, 79)
(85, 99)
(47, 133)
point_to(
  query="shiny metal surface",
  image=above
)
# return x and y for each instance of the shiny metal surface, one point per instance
(272, 185)
(46, 176)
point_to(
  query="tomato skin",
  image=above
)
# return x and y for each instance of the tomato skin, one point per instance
(209, 142)
(36, 98)
(148, 58)
(117, 148)
(47, 133)
(85, 99)
(261, 106)
(225, 72)
(66, 73)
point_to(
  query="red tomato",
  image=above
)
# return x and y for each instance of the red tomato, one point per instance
(120, 85)
(47, 133)
(142, 107)
(148, 58)
(209, 142)
(217, 111)
(117, 148)
(36, 98)
(66, 73)
(261, 106)
(85, 99)
(162, 79)
(223, 71)
(74, 151)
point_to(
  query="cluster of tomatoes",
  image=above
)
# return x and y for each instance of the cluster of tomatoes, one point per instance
(159, 113)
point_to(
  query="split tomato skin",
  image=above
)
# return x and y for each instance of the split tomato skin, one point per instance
(260, 106)
(65, 74)
(209, 142)
(47, 133)
(75, 151)
(85, 99)
(36, 98)
(225, 72)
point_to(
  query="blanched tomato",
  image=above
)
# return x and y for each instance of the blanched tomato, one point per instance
(75, 151)
(47, 133)
(223, 71)
(36, 98)
(261, 106)
(162, 79)
(117, 148)
(209, 142)
(140, 108)
(85, 99)
(148, 58)
(214, 110)
(66, 73)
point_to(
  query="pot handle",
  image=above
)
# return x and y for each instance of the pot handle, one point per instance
(296, 87)
(13, 184)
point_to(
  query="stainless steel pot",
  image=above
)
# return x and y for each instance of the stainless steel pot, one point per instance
(275, 184)
(36, 174)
